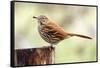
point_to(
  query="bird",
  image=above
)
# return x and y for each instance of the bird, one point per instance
(53, 33)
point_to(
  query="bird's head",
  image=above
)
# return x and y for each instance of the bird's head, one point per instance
(41, 19)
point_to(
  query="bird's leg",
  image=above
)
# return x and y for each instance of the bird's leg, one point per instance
(51, 45)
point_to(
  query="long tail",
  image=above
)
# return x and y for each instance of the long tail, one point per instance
(78, 35)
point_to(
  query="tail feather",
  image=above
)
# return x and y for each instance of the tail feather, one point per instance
(78, 35)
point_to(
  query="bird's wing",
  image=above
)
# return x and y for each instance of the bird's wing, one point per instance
(56, 28)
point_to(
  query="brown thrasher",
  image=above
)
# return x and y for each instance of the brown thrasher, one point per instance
(52, 32)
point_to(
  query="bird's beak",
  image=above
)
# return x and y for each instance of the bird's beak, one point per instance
(34, 17)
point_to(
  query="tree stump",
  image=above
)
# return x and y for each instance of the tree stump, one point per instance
(34, 56)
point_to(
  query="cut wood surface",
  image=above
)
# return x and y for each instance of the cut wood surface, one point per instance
(34, 56)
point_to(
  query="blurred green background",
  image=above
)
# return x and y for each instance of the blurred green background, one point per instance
(74, 19)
